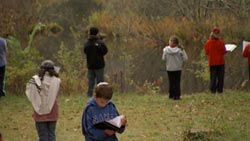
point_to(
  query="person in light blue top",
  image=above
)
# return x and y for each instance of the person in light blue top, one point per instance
(3, 62)
(98, 109)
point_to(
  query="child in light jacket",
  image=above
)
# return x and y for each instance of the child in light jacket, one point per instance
(174, 56)
(42, 91)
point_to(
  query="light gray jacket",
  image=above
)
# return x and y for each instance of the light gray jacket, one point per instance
(174, 57)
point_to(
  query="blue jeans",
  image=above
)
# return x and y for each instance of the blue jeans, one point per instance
(94, 76)
(46, 130)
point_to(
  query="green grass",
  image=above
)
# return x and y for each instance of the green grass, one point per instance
(150, 117)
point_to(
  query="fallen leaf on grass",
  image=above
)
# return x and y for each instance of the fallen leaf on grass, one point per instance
(67, 100)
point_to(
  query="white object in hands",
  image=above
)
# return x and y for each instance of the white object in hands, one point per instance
(230, 47)
(117, 121)
(112, 124)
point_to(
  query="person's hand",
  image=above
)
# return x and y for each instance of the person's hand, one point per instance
(124, 120)
(109, 132)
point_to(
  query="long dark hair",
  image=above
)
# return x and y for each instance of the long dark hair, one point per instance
(47, 66)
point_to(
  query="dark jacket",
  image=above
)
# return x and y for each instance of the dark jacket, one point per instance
(95, 49)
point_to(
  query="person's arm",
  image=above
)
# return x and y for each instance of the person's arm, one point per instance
(5, 45)
(184, 55)
(85, 49)
(164, 54)
(224, 50)
(124, 121)
(102, 48)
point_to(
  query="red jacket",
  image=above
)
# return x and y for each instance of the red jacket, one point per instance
(215, 50)
(246, 53)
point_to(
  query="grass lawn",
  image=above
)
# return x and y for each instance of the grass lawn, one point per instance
(200, 116)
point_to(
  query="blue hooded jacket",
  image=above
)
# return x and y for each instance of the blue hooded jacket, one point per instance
(93, 114)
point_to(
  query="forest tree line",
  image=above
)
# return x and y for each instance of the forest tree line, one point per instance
(135, 31)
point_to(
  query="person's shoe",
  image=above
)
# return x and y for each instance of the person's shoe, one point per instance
(219, 92)
(177, 98)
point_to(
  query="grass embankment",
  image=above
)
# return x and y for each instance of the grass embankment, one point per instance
(150, 117)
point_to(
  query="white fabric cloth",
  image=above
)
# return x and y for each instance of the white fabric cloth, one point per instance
(174, 57)
(42, 94)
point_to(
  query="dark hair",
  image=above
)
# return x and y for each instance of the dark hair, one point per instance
(104, 91)
(47, 66)
(174, 39)
(93, 31)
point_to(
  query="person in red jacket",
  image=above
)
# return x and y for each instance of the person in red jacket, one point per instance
(215, 50)
(246, 53)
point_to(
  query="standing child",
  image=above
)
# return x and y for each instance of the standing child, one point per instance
(95, 50)
(215, 50)
(98, 109)
(42, 91)
(174, 55)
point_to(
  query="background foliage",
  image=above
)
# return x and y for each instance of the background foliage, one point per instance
(136, 31)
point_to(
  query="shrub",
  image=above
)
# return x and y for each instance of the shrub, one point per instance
(73, 70)
(22, 64)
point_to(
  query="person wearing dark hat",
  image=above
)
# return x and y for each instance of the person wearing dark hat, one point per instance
(95, 50)
(215, 50)
(42, 91)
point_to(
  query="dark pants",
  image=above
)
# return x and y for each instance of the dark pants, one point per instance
(46, 130)
(217, 78)
(2, 76)
(94, 76)
(249, 73)
(174, 84)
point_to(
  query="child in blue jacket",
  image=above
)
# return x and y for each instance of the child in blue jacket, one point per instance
(98, 109)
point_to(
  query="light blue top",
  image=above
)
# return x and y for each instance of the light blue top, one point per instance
(3, 49)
